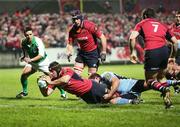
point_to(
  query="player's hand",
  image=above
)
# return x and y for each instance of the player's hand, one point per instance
(103, 57)
(27, 60)
(133, 58)
(106, 96)
(21, 59)
(171, 60)
(46, 78)
(40, 77)
(69, 57)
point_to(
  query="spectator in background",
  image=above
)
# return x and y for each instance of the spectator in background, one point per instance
(156, 51)
(85, 33)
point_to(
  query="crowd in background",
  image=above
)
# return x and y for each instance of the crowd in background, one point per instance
(52, 28)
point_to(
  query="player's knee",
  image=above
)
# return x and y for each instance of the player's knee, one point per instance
(92, 71)
(78, 69)
(24, 76)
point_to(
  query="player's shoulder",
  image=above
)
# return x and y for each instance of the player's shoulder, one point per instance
(67, 69)
(37, 38)
(23, 41)
(87, 23)
(70, 28)
(172, 26)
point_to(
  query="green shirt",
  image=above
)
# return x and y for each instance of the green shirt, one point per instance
(35, 48)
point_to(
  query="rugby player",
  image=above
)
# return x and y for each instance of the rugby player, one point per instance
(36, 59)
(85, 33)
(123, 90)
(66, 78)
(155, 34)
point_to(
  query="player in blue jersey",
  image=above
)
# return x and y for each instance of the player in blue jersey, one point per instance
(36, 59)
(123, 90)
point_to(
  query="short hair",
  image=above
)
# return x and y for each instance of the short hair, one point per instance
(94, 75)
(177, 12)
(55, 66)
(27, 29)
(148, 13)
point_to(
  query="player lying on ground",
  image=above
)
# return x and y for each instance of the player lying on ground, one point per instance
(66, 78)
(128, 89)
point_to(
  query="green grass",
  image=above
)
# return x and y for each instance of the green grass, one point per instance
(38, 111)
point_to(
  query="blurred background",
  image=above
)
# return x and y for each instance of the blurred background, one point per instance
(49, 20)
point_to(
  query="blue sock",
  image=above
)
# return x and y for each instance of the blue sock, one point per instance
(122, 101)
(171, 82)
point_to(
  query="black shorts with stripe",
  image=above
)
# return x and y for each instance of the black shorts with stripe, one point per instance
(156, 59)
(91, 59)
(96, 93)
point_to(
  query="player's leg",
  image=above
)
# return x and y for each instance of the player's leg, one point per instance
(92, 70)
(78, 67)
(79, 64)
(63, 93)
(92, 61)
(122, 101)
(27, 71)
(155, 63)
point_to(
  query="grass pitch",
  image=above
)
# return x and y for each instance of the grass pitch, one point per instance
(38, 111)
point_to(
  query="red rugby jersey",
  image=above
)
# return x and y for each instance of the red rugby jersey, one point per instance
(76, 84)
(85, 36)
(176, 30)
(153, 32)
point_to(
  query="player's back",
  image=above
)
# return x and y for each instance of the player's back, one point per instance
(153, 32)
(76, 85)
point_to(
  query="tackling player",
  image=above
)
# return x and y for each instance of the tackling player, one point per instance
(156, 52)
(85, 33)
(66, 78)
(36, 58)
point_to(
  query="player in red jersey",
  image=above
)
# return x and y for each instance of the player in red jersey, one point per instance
(175, 28)
(155, 34)
(65, 77)
(85, 33)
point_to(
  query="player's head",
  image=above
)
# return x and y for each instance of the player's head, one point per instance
(177, 17)
(148, 13)
(77, 17)
(96, 77)
(28, 33)
(54, 69)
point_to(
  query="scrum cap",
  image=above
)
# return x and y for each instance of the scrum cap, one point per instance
(76, 14)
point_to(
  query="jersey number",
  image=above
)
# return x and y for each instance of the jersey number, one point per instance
(155, 27)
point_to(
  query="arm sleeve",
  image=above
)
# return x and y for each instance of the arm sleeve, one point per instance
(40, 46)
(138, 27)
(169, 35)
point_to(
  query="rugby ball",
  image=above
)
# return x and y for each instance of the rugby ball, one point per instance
(42, 83)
